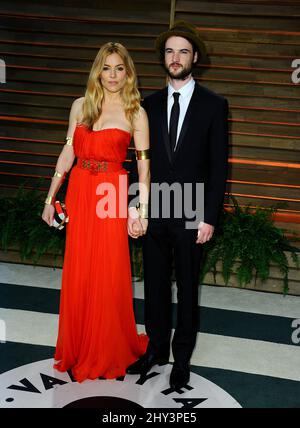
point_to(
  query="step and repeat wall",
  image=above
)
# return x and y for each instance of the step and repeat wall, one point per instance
(47, 48)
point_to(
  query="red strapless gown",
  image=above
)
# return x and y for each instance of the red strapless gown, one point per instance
(97, 334)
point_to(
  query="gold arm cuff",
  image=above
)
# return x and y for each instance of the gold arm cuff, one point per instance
(69, 141)
(58, 174)
(142, 154)
(143, 210)
(49, 200)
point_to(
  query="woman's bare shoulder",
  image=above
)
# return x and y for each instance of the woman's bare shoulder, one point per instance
(78, 103)
(142, 112)
(76, 109)
(140, 116)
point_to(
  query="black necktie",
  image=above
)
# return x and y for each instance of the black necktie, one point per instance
(174, 121)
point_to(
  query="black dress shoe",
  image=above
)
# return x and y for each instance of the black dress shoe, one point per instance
(145, 363)
(180, 376)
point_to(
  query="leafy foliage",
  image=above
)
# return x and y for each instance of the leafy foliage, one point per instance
(250, 240)
(21, 226)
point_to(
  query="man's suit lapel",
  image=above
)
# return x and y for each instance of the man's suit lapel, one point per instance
(193, 106)
(163, 114)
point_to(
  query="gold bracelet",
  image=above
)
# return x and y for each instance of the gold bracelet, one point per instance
(58, 174)
(142, 154)
(69, 141)
(48, 200)
(143, 210)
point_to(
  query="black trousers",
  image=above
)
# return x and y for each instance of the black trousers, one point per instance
(164, 243)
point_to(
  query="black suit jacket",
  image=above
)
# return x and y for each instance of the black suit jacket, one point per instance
(202, 148)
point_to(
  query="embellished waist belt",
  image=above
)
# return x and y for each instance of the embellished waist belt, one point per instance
(95, 166)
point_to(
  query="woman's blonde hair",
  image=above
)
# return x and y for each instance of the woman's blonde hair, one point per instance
(94, 94)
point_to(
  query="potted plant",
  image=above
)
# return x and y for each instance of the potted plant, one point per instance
(249, 237)
(22, 228)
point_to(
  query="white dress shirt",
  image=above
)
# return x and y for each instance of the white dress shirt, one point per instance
(186, 93)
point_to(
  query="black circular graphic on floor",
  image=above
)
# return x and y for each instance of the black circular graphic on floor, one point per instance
(102, 403)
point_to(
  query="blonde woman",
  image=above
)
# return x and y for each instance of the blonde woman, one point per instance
(97, 334)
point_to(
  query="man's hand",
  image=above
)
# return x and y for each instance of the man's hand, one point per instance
(205, 232)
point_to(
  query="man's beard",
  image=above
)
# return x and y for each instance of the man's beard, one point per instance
(182, 75)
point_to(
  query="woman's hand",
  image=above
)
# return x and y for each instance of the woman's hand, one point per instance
(136, 226)
(48, 214)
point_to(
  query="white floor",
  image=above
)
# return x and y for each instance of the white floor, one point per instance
(210, 296)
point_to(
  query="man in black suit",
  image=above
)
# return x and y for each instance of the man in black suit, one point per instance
(188, 141)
